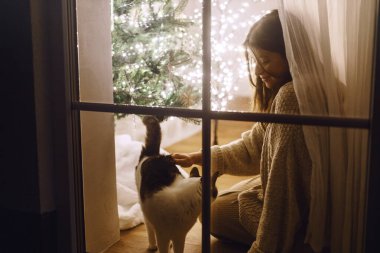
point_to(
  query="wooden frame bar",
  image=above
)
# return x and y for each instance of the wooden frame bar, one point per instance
(206, 124)
(225, 115)
(370, 237)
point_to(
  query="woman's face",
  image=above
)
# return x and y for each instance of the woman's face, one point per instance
(271, 67)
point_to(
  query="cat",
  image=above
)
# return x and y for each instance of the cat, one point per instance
(169, 201)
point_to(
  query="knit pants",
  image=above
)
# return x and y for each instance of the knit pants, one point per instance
(226, 216)
(225, 222)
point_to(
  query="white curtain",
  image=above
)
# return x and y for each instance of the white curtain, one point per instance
(329, 45)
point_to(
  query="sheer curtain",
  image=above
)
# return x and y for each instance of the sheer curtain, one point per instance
(329, 45)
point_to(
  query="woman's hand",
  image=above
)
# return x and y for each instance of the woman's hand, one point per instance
(188, 159)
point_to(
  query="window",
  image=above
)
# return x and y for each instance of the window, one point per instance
(206, 114)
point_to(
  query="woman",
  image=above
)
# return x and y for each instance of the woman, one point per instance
(269, 211)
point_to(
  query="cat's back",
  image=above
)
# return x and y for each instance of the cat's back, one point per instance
(175, 206)
(180, 191)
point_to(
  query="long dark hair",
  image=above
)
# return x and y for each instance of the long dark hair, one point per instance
(265, 34)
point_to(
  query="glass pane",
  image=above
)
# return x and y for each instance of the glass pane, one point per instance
(147, 53)
(325, 75)
(94, 51)
(231, 21)
(156, 53)
(335, 153)
(111, 149)
(110, 152)
(178, 135)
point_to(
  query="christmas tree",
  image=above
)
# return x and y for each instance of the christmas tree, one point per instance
(151, 48)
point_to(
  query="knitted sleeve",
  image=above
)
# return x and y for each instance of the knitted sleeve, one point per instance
(242, 156)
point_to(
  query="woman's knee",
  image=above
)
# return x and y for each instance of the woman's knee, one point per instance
(215, 213)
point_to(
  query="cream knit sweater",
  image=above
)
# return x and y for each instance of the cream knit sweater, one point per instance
(276, 211)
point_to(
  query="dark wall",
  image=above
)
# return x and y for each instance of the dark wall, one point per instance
(23, 226)
(19, 175)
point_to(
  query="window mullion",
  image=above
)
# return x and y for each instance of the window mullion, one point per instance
(226, 115)
(372, 222)
(206, 124)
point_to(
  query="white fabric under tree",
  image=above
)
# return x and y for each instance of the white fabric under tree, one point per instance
(329, 45)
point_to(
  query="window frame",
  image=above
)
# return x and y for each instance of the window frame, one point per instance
(72, 187)
(372, 208)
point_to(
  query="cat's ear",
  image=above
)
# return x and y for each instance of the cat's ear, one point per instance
(194, 172)
(214, 177)
(214, 189)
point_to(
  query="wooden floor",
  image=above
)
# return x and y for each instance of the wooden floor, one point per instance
(135, 240)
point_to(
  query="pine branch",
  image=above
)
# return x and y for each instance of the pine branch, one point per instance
(143, 70)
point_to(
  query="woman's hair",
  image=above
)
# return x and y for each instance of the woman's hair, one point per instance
(265, 34)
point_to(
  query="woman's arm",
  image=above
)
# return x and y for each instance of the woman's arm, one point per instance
(188, 159)
(239, 157)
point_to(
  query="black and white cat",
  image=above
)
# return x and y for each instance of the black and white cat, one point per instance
(170, 201)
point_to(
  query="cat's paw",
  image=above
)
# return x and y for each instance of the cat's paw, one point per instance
(152, 248)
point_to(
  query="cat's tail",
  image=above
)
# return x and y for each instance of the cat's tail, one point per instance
(153, 135)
